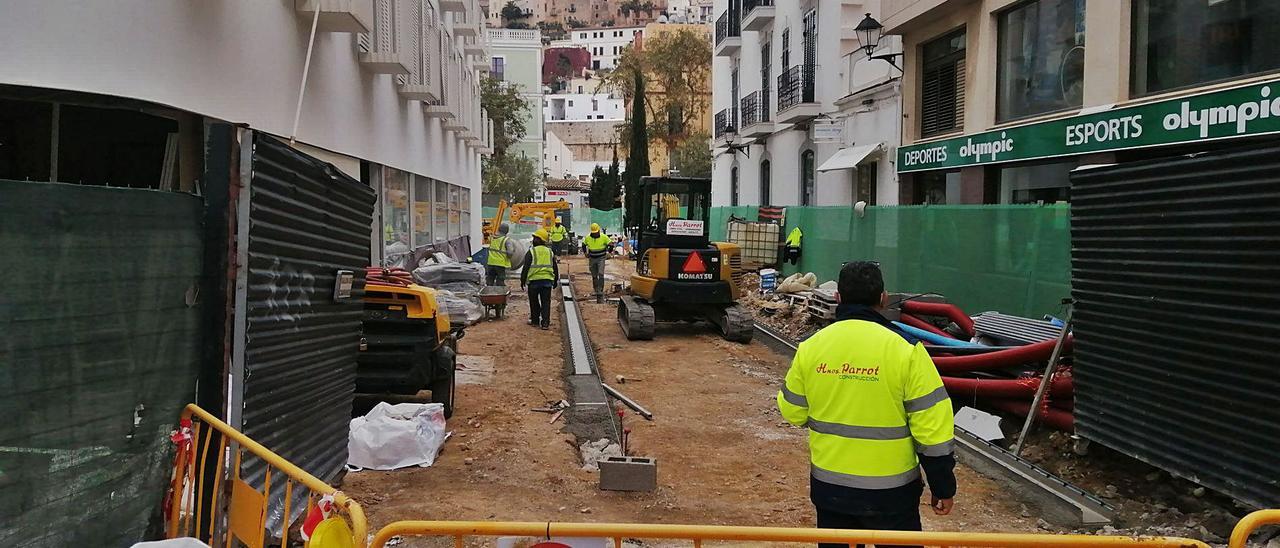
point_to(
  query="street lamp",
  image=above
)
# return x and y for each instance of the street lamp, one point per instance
(869, 33)
(733, 148)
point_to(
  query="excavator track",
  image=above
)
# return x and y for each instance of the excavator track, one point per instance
(636, 318)
(735, 323)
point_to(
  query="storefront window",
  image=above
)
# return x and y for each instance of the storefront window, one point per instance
(440, 212)
(455, 212)
(466, 212)
(1043, 183)
(395, 213)
(421, 211)
(1041, 58)
(806, 178)
(1181, 43)
(938, 187)
(864, 181)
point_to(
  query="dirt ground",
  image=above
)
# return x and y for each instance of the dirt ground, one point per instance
(724, 454)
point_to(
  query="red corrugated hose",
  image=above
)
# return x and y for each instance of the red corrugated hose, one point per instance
(948, 311)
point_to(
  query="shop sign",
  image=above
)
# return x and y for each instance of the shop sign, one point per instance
(827, 131)
(1237, 112)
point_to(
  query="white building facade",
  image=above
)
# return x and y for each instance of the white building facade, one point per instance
(811, 119)
(558, 157)
(691, 11)
(395, 105)
(581, 107)
(605, 44)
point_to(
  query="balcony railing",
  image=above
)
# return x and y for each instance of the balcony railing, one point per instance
(728, 26)
(755, 108)
(726, 122)
(795, 86)
(748, 5)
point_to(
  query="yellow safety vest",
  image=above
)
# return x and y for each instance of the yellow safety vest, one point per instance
(793, 239)
(498, 252)
(541, 268)
(871, 401)
(596, 245)
(558, 233)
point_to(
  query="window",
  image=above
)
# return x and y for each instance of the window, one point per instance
(937, 187)
(440, 211)
(579, 89)
(733, 186)
(1040, 58)
(583, 35)
(595, 64)
(764, 182)
(499, 68)
(786, 48)
(465, 207)
(455, 211)
(395, 213)
(421, 211)
(1047, 183)
(864, 183)
(595, 105)
(675, 120)
(570, 102)
(942, 85)
(807, 178)
(1182, 43)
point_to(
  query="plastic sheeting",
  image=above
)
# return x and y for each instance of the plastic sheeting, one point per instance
(396, 436)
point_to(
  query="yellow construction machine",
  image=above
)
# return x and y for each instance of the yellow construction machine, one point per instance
(681, 275)
(544, 214)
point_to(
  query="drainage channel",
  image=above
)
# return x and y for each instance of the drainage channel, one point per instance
(1060, 502)
(589, 417)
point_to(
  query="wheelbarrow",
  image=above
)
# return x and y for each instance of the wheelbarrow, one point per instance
(494, 298)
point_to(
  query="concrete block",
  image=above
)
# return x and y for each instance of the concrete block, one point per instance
(628, 474)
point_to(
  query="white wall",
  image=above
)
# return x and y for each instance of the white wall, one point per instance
(559, 109)
(605, 48)
(558, 157)
(234, 60)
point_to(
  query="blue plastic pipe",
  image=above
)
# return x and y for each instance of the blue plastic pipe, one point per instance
(934, 338)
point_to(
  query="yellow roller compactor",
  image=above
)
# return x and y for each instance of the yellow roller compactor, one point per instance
(681, 275)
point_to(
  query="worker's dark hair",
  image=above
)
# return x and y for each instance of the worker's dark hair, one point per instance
(861, 283)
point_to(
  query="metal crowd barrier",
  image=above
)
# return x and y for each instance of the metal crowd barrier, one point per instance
(1251, 523)
(231, 508)
(697, 534)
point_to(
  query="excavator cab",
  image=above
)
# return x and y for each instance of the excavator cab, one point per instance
(681, 275)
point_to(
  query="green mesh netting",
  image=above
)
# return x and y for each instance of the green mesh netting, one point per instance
(1012, 258)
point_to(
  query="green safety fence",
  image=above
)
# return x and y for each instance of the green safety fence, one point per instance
(1014, 259)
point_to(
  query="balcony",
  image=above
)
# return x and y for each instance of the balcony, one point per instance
(384, 49)
(456, 6)
(755, 114)
(726, 123)
(757, 15)
(796, 101)
(338, 15)
(423, 81)
(728, 33)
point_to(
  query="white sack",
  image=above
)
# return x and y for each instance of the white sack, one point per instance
(396, 436)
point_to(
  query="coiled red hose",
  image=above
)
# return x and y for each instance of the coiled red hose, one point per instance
(1025, 387)
(1037, 352)
(374, 275)
(948, 311)
(921, 324)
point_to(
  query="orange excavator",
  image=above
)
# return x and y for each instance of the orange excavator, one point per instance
(543, 214)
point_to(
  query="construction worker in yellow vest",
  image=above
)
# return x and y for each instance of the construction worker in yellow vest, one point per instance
(597, 244)
(558, 234)
(499, 257)
(792, 248)
(539, 274)
(876, 411)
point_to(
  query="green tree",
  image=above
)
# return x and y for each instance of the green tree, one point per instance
(507, 109)
(692, 157)
(511, 12)
(605, 186)
(510, 176)
(677, 67)
(576, 24)
(551, 31)
(637, 151)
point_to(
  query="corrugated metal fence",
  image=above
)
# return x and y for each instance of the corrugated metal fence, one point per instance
(306, 221)
(100, 311)
(1176, 267)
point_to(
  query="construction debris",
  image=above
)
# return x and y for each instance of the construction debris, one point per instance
(593, 452)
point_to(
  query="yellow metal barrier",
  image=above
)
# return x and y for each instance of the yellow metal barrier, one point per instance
(242, 513)
(1251, 523)
(697, 534)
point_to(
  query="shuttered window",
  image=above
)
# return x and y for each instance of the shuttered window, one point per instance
(942, 85)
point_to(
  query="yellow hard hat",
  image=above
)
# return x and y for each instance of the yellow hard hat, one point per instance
(557, 219)
(595, 227)
(540, 234)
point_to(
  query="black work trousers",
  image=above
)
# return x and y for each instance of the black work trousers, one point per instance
(495, 275)
(540, 303)
(876, 521)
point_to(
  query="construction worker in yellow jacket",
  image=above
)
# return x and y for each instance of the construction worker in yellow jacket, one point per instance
(598, 245)
(876, 412)
(558, 233)
(539, 274)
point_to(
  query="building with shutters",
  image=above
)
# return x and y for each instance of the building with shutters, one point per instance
(802, 116)
(1004, 98)
(517, 62)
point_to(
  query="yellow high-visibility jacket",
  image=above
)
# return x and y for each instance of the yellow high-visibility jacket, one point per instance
(498, 252)
(558, 233)
(871, 401)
